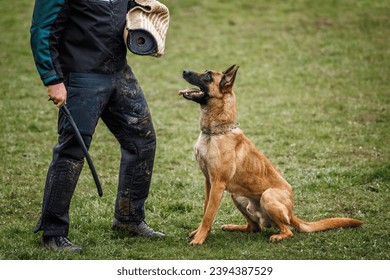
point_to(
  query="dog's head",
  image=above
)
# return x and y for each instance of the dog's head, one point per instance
(211, 84)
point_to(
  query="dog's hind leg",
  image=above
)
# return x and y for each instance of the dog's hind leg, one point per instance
(277, 205)
(252, 224)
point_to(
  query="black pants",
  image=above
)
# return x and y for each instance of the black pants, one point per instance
(119, 101)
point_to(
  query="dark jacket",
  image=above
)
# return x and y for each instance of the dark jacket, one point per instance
(84, 36)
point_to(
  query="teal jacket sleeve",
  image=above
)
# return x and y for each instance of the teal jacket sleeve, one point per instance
(48, 21)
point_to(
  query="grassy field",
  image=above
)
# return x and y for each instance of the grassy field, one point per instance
(313, 94)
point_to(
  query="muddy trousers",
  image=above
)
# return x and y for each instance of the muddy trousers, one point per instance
(118, 100)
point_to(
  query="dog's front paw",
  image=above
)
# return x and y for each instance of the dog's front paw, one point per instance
(192, 233)
(199, 238)
(197, 241)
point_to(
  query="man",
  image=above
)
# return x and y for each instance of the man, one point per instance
(80, 55)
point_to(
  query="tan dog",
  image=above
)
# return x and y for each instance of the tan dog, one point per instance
(231, 162)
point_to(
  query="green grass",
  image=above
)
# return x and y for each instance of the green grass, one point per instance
(313, 94)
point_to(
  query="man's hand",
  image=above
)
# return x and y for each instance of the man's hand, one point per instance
(57, 94)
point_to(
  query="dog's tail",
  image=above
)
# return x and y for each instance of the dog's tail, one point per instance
(324, 224)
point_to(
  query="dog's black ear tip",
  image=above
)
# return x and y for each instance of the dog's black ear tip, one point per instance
(234, 68)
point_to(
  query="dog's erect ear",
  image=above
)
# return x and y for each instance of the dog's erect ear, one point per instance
(229, 75)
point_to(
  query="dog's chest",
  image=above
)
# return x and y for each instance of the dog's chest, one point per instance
(201, 150)
(213, 153)
(208, 153)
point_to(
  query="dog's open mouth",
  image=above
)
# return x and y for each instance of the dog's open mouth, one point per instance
(192, 93)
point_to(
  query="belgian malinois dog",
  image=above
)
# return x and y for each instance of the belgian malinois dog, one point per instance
(230, 162)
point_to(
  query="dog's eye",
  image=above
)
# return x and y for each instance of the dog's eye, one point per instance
(208, 77)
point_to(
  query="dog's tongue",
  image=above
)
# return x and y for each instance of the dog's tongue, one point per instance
(188, 91)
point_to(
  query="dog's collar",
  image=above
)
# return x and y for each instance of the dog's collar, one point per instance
(219, 130)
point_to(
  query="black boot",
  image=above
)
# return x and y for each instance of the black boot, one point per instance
(60, 243)
(137, 229)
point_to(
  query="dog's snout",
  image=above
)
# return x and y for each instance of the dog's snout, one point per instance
(186, 72)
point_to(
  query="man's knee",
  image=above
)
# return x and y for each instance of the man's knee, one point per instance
(69, 147)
